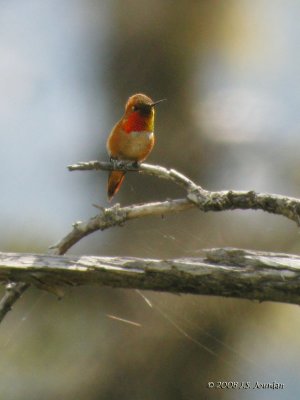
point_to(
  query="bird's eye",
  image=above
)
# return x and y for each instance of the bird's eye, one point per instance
(134, 108)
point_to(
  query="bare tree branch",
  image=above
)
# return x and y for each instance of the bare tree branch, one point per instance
(222, 272)
(149, 169)
(13, 291)
(196, 196)
(117, 216)
(205, 200)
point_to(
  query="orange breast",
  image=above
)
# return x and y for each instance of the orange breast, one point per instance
(133, 145)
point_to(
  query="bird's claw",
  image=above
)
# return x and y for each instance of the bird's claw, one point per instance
(136, 164)
(113, 161)
(120, 164)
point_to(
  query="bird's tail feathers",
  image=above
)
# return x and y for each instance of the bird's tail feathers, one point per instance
(115, 179)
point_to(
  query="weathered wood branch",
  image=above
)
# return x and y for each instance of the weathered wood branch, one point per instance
(221, 272)
(149, 169)
(117, 216)
(12, 293)
(196, 196)
(205, 200)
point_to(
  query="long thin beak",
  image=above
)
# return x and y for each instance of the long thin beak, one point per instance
(156, 102)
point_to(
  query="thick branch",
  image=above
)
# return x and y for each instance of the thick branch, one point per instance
(222, 272)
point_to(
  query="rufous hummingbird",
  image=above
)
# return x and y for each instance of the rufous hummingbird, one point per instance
(132, 138)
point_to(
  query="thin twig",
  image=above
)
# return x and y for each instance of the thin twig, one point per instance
(149, 169)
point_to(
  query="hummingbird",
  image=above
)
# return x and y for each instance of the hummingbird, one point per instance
(132, 138)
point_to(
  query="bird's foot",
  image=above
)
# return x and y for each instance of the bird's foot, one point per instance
(136, 164)
(112, 160)
(124, 164)
(115, 163)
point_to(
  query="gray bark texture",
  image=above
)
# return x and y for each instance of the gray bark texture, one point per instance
(226, 272)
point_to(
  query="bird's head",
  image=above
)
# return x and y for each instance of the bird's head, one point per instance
(139, 113)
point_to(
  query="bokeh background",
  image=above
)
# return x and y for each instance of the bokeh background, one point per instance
(230, 71)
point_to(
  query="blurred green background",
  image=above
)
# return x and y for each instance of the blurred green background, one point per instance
(230, 71)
